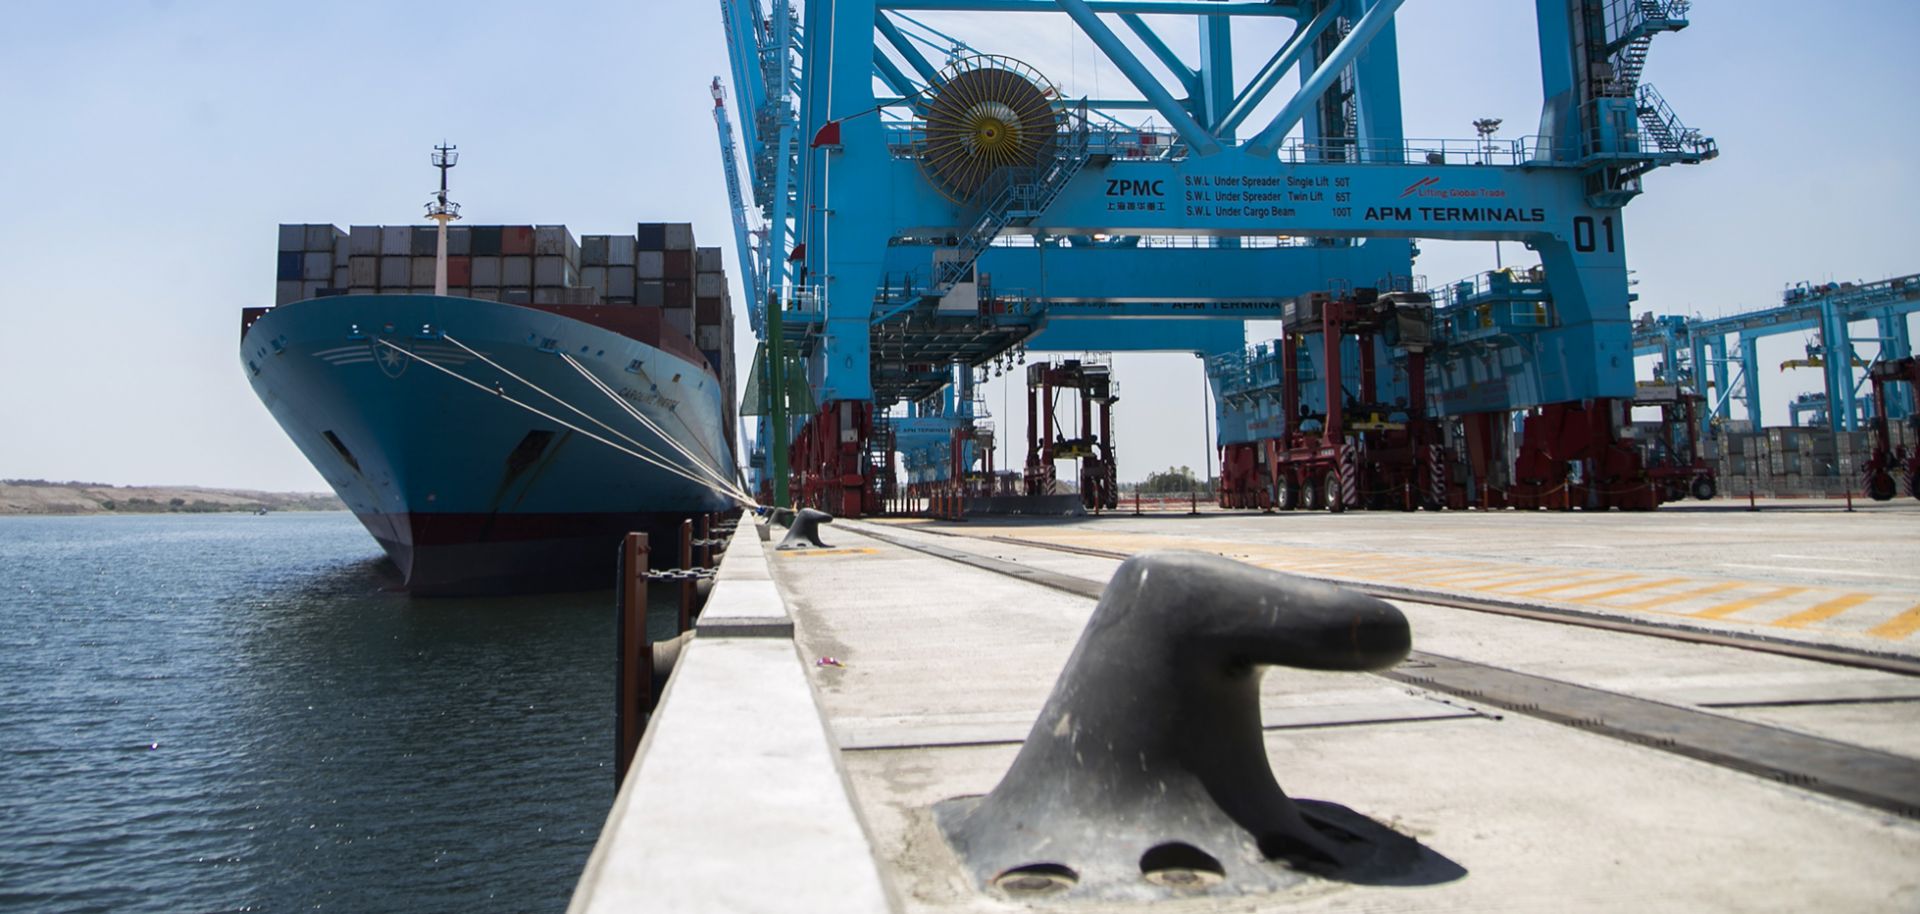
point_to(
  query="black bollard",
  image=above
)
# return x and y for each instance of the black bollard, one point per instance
(805, 530)
(1148, 767)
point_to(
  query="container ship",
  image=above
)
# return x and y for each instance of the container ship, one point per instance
(499, 404)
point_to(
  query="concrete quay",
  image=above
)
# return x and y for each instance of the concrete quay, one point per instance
(797, 769)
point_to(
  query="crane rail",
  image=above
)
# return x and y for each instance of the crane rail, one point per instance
(1870, 777)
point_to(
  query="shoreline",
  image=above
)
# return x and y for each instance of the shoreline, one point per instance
(41, 498)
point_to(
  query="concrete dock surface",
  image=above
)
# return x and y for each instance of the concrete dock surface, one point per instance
(928, 673)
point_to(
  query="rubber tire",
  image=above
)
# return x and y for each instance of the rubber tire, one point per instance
(1335, 503)
(1311, 497)
(1704, 488)
(1880, 486)
(1286, 496)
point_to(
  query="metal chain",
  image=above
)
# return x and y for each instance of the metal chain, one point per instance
(679, 574)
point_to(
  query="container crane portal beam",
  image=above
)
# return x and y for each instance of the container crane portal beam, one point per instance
(1831, 309)
(899, 200)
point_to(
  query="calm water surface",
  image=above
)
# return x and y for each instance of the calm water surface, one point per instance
(233, 713)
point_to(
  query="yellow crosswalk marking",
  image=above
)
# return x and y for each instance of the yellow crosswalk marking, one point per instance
(1899, 626)
(1529, 579)
(1823, 611)
(1729, 608)
(1587, 581)
(1684, 595)
(1630, 588)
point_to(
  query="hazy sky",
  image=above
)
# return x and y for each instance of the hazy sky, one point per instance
(147, 150)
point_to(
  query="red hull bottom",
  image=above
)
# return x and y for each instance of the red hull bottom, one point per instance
(494, 554)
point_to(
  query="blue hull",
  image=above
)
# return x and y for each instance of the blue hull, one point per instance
(466, 491)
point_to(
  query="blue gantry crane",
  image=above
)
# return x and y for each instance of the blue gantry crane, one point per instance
(932, 205)
(1719, 356)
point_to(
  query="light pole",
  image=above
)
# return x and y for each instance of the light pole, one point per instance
(1487, 127)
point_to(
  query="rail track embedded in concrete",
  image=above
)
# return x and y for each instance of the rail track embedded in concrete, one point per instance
(1870, 777)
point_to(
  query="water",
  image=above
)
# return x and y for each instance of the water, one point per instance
(237, 713)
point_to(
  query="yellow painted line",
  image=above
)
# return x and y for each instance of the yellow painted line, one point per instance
(1899, 626)
(1824, 611)
(1684, 595)
(1530, 579)
(1727, 609)
(1482, 576)
(1630, 588)
(1588, 582)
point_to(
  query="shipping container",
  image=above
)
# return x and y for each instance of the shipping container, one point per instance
(394, 274)
(649, 293)
(487, 294)
(342, 275)
(590, 275)
(679, 236)
(711, 337)
(593, 251)
(420, 273)
(396, 241)
(650, 264)
(460, 241)
(620, 281)
(486, 270)
(650, 236)
(678, 294)
(311, 288)
(552, 270)
(709, 285)
(516, 296)
(707, 260)
(485, 241)
(322, 238)
(459, 271)
(620, 250)
(679, 265)
(363, 271)
(709, 311)
(363, 240)
(317, 266)
(293, 237)
(290, 266)
(516, 239)
(516, 271)
(426, 240)
(555, 241)
(286, 291)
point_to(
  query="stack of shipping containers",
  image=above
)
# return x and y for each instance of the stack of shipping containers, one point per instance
(312, 262)
(658, 268)
(1789, 461)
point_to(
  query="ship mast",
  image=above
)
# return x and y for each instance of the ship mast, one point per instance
(443, 211)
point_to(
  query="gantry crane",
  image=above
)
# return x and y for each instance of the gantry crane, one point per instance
(971, 207)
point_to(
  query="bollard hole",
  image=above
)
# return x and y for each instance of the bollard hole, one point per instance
(1177, 865)
(1036, 879)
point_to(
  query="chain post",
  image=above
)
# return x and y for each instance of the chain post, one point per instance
(634, 657)
(686, 585)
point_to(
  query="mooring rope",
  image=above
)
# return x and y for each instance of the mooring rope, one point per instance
(707, 465)
(726, 485)
(654, 460)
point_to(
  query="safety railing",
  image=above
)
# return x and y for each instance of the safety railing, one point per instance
(1529, 150)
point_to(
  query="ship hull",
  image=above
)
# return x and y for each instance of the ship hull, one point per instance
(406, 405)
